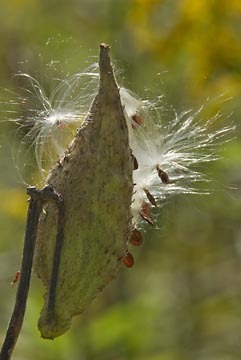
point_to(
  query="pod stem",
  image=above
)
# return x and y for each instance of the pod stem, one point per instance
(36, 202)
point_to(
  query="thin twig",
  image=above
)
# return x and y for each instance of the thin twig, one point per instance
(37, 199)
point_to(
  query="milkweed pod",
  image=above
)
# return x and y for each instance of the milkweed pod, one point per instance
(96, 185)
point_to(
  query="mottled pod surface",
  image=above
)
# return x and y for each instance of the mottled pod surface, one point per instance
(95, 179)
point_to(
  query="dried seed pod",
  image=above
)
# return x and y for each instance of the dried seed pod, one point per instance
(150, 197)
(96, 223)
(128, 260)
(163, 175)
(136, 238)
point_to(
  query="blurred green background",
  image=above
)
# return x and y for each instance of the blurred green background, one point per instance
(182, 299)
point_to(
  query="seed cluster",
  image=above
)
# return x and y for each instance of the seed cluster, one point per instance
(135, 237)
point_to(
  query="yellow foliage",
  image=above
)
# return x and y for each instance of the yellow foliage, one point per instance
(201, 35)
(13, 202)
